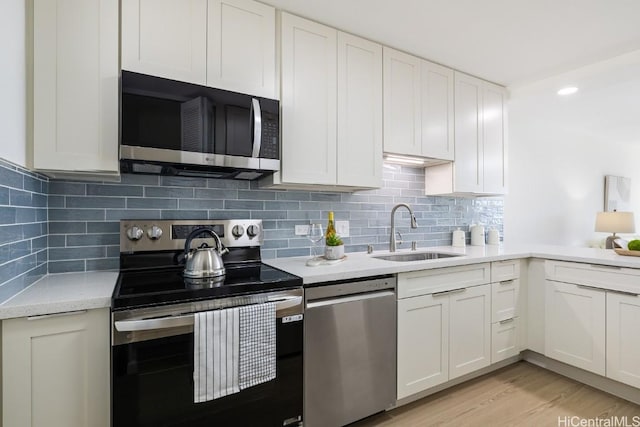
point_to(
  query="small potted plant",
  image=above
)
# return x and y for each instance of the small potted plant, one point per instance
(334, 247)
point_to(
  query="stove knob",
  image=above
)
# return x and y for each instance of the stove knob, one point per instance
(253, 231)
(134, 233)
(237, 231)
(154, 233)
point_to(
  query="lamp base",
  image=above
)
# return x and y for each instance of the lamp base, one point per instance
(609, 242)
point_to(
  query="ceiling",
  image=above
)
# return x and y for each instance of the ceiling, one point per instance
(509, 42)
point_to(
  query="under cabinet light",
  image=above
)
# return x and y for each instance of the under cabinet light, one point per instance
(403, 160)
(569, 90)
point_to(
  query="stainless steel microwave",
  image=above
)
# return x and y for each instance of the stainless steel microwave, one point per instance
(177, 128)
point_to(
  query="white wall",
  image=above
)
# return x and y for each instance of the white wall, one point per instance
(560, 149)
(12, 81)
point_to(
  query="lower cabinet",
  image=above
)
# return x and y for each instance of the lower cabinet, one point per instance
(55, 370)
(575, 325)
(623, 346)
(442, 336)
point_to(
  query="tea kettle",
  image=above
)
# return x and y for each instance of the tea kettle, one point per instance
(204, 261)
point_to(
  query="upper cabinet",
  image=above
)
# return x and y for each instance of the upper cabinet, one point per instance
(229, 44)
(418, 107)
(74, 90)
(331, 108)
(241, 47)
(480, 142)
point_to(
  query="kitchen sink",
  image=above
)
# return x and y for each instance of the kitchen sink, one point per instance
(422, 256)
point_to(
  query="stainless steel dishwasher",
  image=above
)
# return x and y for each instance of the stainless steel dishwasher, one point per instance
(349, 350)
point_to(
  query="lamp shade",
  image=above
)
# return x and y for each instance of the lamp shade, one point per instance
(615, 222)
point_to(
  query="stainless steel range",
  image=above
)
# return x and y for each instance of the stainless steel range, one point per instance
(157, 357)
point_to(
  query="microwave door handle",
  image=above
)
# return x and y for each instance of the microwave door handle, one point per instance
(257, 127)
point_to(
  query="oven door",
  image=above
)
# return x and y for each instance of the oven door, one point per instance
(152, 372)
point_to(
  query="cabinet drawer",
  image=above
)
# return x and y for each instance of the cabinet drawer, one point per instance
(505, 270)
(505, 339)
(442, 279)
(602, 276)
(505, 297)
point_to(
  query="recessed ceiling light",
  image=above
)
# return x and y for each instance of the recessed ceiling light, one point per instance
(568, 90)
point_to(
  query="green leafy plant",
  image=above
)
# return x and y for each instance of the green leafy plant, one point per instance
(334, 240)
(634, 245)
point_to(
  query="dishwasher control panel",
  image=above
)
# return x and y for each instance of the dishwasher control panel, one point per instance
(350, 287)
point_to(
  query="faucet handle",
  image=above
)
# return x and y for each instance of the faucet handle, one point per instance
(399, 238)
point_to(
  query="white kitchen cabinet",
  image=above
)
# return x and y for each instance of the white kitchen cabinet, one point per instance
(165, 38)
(241, 47)
(623, 346)
(575, 325)
(505, 300)
(437, 110)
(74, 109)
(331, 119)
(309, 81)
(444, 326)
(359, 140)
(418, 107)
(423, 343)
(480, 142)
(55, 370)
(469, 330)
(402, 114)
(505, 339)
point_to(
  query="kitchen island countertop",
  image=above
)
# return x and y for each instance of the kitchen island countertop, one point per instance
(363, 265)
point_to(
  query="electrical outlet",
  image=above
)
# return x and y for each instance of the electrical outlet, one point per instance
(302, 230)
(342, 228)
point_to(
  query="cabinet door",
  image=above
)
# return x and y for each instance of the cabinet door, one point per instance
(468, 130)
(241, 47)
(165, 38)
(423, 343)
(75, 85)
(494, 138)
(623, 346)
(359, 149)
(469, 330)
(437, 111)
(56, 370)
(575, 326)
(308, 101)
(402, 127)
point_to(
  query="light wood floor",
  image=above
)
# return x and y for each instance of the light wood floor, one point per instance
(521, 394)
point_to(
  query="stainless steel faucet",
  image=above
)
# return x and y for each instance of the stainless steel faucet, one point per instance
(414, 224)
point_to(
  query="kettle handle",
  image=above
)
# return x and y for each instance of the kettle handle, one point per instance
(187, 245)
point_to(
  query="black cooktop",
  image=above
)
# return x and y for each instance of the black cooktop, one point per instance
(167, 285)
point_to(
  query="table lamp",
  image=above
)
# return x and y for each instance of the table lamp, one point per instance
(615, 222)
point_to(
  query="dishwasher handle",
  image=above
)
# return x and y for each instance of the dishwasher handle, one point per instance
(349, 298)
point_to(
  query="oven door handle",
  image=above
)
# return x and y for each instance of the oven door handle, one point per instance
(188, 319)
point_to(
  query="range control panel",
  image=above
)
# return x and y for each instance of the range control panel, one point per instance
(158, 235)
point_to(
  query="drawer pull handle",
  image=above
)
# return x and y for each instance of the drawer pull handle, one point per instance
(452, 291)
(608, 267)
(506, 282)
(631, 294)
(502, 322)
(593, 288)
(49, 316)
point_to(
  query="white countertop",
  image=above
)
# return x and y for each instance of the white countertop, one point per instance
(362, 265)
(59, 293)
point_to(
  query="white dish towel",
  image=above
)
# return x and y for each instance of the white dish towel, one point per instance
(216, 353)
(233, 349)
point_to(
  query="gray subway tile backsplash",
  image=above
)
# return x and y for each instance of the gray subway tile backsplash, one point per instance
(23, 228)
(66, 226)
